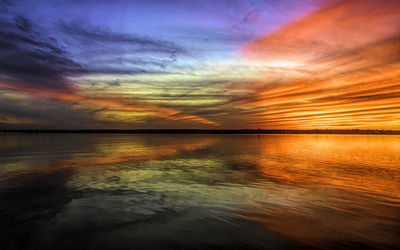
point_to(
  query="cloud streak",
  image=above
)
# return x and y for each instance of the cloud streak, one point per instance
(39, 66)
(351, 50)
(334, 67)
(29, 59)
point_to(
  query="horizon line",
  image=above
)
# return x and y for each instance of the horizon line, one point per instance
(207, 131)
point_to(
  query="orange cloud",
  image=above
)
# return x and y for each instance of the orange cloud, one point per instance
(348, 53)
(336, 27)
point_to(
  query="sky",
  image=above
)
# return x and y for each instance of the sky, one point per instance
(200, 64)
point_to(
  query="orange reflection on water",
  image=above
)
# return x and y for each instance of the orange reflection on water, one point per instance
(331, 189)
(344, 161)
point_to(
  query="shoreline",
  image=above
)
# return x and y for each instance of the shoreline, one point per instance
(206, 131)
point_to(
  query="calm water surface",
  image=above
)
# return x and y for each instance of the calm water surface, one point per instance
(114, 191)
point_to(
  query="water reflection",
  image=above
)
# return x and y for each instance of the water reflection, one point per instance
(203, 191)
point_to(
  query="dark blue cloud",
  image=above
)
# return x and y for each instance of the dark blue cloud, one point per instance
(29, 58)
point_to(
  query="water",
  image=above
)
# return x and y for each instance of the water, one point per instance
(113, 191)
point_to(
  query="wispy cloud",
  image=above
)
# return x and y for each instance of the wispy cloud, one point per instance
(350, 49)
(334, 67)
(36, 65)
(92, 34)
(28, 58)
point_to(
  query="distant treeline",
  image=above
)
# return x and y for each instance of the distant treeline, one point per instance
(213, 131)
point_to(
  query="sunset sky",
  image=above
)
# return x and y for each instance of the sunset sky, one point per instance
(226, 64)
